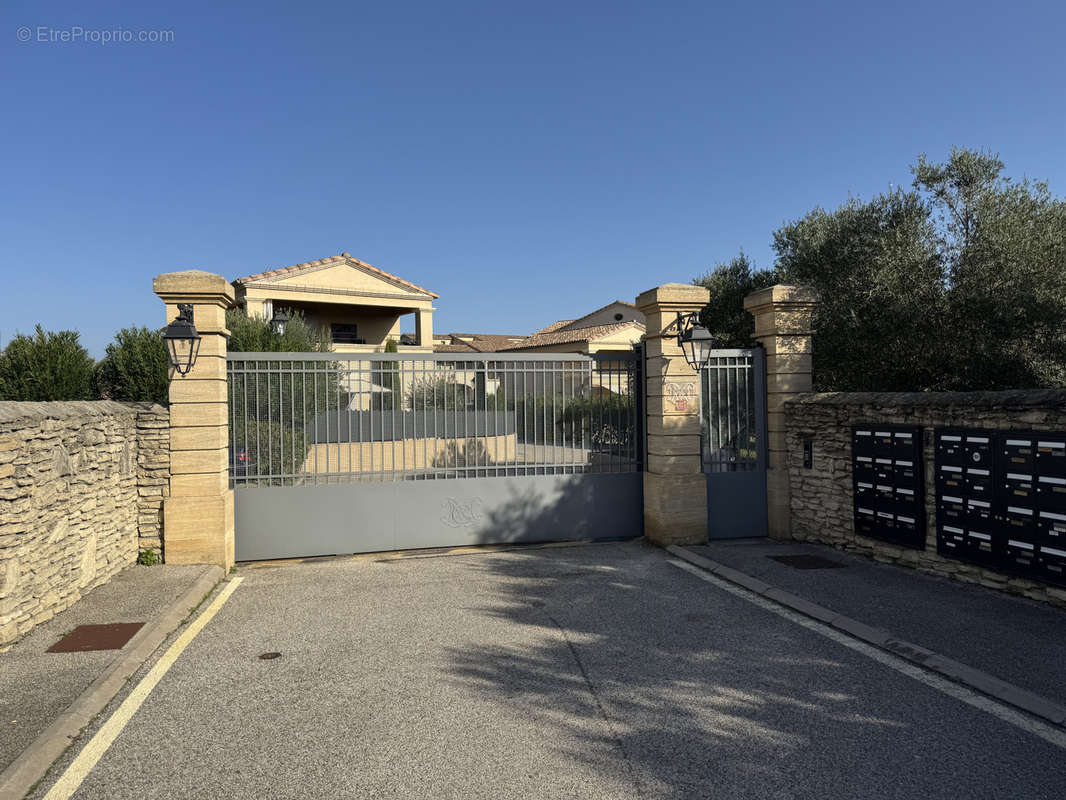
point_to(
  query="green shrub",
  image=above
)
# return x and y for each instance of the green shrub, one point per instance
(47, 366)
(257, 335)
(135, 367)
(148, 558)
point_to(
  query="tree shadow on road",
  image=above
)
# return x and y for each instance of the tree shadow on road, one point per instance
(674, 688)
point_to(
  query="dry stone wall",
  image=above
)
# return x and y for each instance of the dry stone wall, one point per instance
(81, 490)
(821, 496)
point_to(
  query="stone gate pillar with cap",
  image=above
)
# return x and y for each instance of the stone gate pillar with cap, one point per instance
(783, 326)
(198, 515)
(675, 488)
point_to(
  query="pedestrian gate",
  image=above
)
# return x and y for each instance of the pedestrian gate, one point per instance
(348, 453)
(733, 415)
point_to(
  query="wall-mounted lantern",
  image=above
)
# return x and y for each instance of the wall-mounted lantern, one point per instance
(279, 321)
(694, 340)
(183, 342)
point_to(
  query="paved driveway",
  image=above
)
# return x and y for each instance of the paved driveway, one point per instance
(598, 671)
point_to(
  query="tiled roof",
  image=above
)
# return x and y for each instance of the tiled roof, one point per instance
(343, 258)
(478, 343)
(554, 326)
(569, 335)
(575, 322)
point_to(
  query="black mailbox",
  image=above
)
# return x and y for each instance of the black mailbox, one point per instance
(889, 490)
(862, 442)
(1019, 452)
(951, 479)
(981, 547)
(979, 483)
(1051, 564)
(949, 448)
(1051, 528)
(1051, 456)
(1020, 523)
(1019, 555)
(978, 449)
(1018, 487)
(950, 540)
(1051, 492)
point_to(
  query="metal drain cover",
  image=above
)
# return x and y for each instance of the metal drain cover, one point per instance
(85, 638)
(807, 561)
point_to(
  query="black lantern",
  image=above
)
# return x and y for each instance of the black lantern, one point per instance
(694, 340)
(278, 321)
(183, 342)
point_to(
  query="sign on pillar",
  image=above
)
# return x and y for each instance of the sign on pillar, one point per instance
(675, 489)
(198, 515)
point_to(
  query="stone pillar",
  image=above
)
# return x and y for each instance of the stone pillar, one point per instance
(783, 327)
(675, 488)
(424, 327)
(198, 515)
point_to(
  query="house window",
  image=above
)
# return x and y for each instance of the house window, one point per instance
(342, 333)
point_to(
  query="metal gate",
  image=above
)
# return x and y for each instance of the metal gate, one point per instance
(733, 403)
(347, 453)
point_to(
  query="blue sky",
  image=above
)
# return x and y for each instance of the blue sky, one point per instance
(527, 161)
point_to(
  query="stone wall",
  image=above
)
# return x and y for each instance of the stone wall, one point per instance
(821, 497)
(81, 489)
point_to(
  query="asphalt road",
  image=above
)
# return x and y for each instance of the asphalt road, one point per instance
(598, 671)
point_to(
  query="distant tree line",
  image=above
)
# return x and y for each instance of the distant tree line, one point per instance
(958, 283)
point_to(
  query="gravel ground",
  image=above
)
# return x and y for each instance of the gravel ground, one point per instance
(596, 671)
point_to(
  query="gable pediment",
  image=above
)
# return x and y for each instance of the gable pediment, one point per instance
(342, 274)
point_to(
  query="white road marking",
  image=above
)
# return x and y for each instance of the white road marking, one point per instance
(1002, 712)
(80, 767)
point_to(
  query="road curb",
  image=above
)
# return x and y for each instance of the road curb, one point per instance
(34, 762)
(955, 671)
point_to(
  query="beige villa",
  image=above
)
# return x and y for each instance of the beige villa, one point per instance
(359, 305)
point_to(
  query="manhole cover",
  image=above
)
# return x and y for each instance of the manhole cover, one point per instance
(96, 637)
(807, 561)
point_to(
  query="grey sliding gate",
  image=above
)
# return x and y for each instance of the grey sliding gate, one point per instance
(733, 409)
(347, 453)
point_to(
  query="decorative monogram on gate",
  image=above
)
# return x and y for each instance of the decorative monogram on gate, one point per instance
(681, 395)
(462, 513)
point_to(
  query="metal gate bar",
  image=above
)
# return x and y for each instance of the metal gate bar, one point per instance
(305, 419)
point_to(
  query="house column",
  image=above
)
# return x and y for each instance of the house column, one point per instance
(675, 488)
(424, 327)
(783, 327)
(198, 515)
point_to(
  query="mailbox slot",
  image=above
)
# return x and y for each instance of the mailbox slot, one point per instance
(1051, 492)
(950, 450)
(1019, 554)
(951, 479)
(1051, 457)
(1020, 523)
(1051, 528)
(884, 445)
(952, 510)
(981, 547)
(862, 442)
(903, 444)
(978, 449)
(1051, 562)
(905, 473)
(1018, 454)
(1019, 487)
(979, 512)
(864, 469)
(979, 483)
(950, 541)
